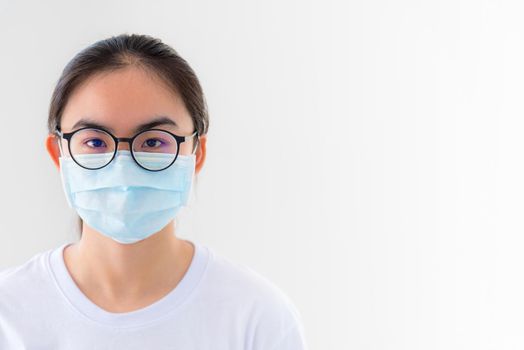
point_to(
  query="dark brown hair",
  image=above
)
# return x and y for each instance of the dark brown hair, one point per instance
(142, 51)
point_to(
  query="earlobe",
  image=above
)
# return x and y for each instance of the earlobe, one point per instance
(53, 150)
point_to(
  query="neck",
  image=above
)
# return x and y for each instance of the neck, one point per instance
(128, 271)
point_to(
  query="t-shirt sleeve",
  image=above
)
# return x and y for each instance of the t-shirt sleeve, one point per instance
(280, 325)
(293, 339)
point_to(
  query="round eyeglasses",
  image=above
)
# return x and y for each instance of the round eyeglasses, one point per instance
(152, 149)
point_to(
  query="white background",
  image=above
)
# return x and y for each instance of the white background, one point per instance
(366, 156)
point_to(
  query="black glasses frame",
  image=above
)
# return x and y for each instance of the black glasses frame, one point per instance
(68, 135)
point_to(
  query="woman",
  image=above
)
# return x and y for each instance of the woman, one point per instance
(127, 132)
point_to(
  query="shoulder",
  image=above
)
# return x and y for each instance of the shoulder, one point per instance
(272, 315)
(26, 289)
(18, 279)
(242, 281)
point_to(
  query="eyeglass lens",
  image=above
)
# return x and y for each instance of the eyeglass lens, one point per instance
(152, 149)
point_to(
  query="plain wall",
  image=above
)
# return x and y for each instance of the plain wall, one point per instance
(366, 156)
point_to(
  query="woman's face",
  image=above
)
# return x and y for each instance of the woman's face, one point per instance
(124, 100)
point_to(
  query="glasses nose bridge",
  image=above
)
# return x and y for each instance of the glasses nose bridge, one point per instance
(124, 141)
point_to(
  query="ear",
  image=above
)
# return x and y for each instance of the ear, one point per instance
(51, 144)
(200, 153)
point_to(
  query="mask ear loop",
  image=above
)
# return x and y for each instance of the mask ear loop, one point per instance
(59, 140)
(196, 144)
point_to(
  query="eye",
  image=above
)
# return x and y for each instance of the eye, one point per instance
(95, 143)
(152, 143)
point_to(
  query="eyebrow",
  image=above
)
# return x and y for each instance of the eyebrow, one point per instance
(159, 120)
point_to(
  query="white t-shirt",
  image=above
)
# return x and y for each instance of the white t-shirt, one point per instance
(219, 304)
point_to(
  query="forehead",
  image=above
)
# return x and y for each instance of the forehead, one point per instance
(123, 99)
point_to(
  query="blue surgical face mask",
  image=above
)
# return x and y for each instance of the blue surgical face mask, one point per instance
(124, 201)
